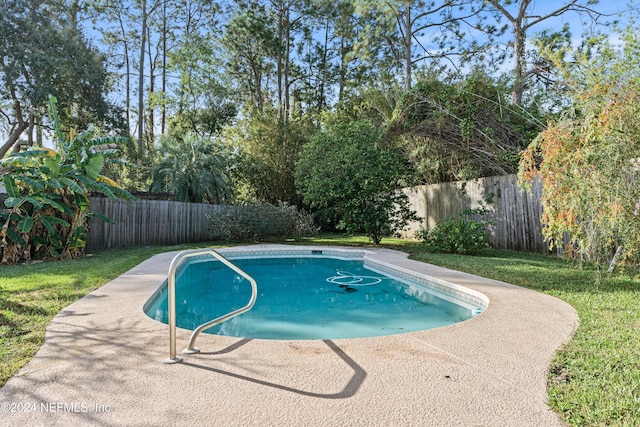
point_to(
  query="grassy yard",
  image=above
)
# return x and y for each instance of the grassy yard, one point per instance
(594, 380)
(31, 295)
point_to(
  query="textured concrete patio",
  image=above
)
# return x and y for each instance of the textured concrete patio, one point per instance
(101, 365)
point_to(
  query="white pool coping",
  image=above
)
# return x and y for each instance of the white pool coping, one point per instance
(101, 364)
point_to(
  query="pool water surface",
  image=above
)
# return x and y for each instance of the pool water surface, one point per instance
(304, 298)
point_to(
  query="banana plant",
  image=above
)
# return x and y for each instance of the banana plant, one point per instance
(47, 211)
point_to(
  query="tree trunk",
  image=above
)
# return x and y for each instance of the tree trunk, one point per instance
(13, 138)
(279, 64)
(39, 132)
(163, 109)
(343, 66)
(21, 126)
(406, 21)
(30, 129)
(152, 101)
(127, 76)
(323, 75)
(519, 59)
(143, 35)
(287, 84)
(614, 260)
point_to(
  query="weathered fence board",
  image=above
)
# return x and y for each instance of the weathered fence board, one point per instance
(147, 223)
(515, 213)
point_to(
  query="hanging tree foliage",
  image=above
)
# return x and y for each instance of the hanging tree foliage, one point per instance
(461, 131)
(588, 162)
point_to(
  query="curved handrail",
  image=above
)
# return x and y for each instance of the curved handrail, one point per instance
(171, 285)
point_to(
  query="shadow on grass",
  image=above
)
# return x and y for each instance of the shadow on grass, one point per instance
(23, 309)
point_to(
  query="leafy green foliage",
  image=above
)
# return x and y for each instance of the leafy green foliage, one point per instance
(251, 44)
(47, 209)
(206, 122)
(42, 54)
(255, 222)
(345, 168)
(193, 169)
(203, 104)
(464, 234)
(268, 149)
(420, 32)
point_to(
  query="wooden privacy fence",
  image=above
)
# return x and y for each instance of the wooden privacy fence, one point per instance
(515, 213)
(147, 223)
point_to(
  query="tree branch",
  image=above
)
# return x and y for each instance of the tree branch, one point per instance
(556, 12)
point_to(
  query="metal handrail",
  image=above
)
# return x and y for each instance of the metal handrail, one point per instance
(171, 285)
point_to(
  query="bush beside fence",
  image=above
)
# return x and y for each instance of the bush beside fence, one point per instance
(515, 214)
(161, 222)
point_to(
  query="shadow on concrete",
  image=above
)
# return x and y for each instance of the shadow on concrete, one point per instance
(350, 388)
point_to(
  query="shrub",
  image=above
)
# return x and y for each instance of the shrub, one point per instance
(46, 212)
(458, 235)
(255, 222)
(346, 168)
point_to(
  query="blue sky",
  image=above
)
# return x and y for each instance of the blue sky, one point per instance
(579, 23)
(544, 7)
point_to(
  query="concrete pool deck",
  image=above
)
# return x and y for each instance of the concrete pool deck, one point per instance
(102, 365)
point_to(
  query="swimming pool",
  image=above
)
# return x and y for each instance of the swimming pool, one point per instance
(311, 294)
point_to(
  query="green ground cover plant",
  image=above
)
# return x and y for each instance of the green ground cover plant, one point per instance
(46, 214)
(594, 379)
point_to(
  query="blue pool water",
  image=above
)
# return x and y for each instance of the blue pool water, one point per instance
(303, 298)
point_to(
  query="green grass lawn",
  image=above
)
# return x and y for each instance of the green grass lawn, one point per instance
(594, 380)
(31, 295)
